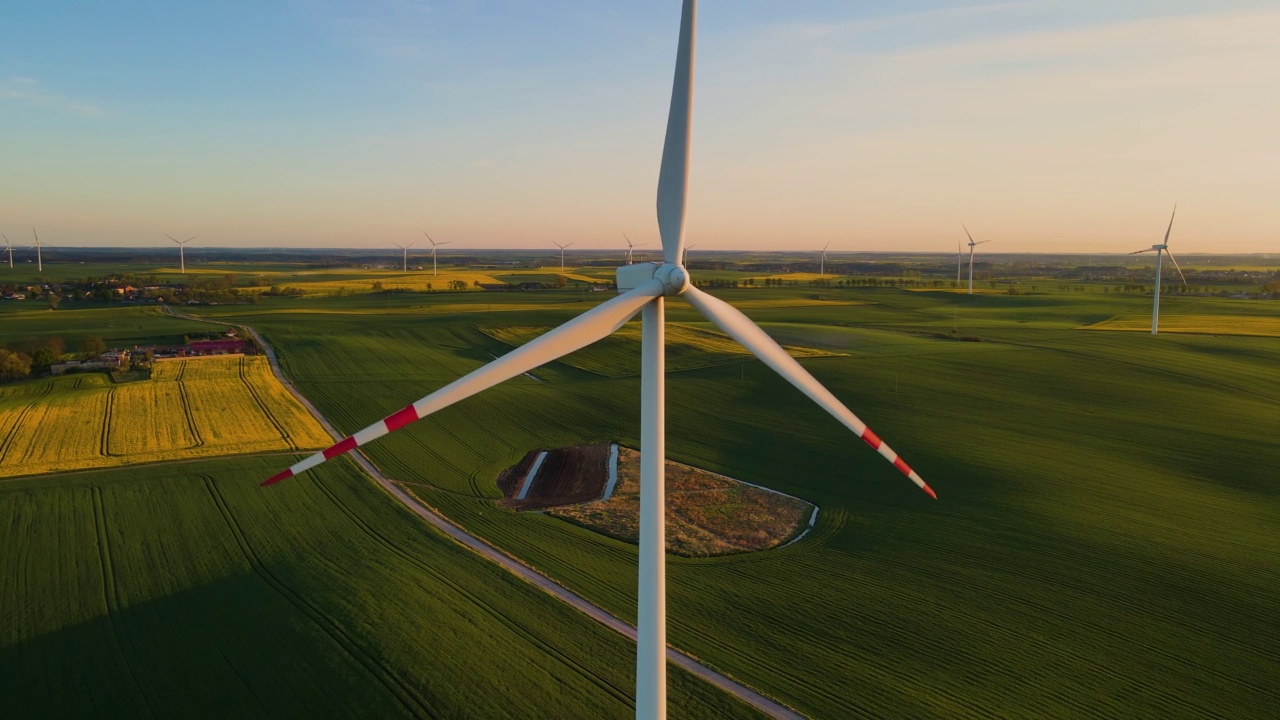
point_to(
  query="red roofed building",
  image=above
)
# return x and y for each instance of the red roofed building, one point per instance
(215, 347)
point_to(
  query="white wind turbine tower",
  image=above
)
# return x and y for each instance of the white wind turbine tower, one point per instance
(972, 245)
(8, 247)
(39, 257)
(182, 248)
(643, 289)
(404, 258)
(630, 250)
(562, 247)
(434, 245)
(822, 260)
(684, 260)
(1160, 250)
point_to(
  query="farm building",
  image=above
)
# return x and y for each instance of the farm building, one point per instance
(215, 347)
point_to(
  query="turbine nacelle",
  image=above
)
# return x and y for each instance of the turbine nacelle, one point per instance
(674, 278)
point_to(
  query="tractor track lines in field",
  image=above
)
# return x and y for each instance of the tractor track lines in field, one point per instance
(1184, 377)
(110, 596)
(198, 440)
(280, 428)
(536, 641)
(383, 674)
(18, 422)
(104, 447)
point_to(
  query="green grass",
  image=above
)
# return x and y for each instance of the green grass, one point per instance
(186, 589)
(1105, 544)
(119, 326)
(687, 347)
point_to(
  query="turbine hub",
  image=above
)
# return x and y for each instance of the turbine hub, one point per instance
(675, 279)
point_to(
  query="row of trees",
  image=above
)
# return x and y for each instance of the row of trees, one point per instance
(33, 355)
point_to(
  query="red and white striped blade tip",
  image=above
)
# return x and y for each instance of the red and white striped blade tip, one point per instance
(282, 475)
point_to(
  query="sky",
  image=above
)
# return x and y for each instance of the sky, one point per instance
(1042, 125)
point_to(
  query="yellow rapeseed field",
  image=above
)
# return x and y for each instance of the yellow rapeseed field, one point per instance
(196, 407)
(1263, 326)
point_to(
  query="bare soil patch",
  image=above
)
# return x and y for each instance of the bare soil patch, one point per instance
(568, 475)
(707, 513)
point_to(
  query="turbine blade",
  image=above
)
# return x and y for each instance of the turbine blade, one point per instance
(172, 238)
(673, 177)
(1175, 265)
(573, 335)
(1170, 229)
(966, 232)
(1139, 252)
(749, 335)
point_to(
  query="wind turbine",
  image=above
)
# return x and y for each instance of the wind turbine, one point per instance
(684, 260)
(8, 247)
(405, 257)
(39, 257)
(643, 289)
(972, 245)
(630, 249)
(434, 245)
(562, 247)
(182, 247)
(822, 260)
(1161, 250)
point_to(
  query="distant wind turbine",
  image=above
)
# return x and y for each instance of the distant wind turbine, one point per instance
(1161, 250)
(434, 245)
(8, 247)
(182, 247)
(39, 258)
(822, 260)
(643, 289)
(562, 247)
(972, 245)
(687, 248)
(405, 257)
(630, 249)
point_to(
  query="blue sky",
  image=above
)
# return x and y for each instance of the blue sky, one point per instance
(1047, 126)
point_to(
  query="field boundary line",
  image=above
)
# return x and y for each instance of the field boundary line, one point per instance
(515, 566)
(110, 596)
(386, 677)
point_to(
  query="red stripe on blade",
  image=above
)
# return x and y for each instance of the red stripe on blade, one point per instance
(871, 439)
(901, 465)
(400, 419)
(282, 475)
(345, 446)
(929, 490)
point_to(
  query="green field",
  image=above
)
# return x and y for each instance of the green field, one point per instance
(1105, 545)
(193, 592)
(618, 355)
(118, 326)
